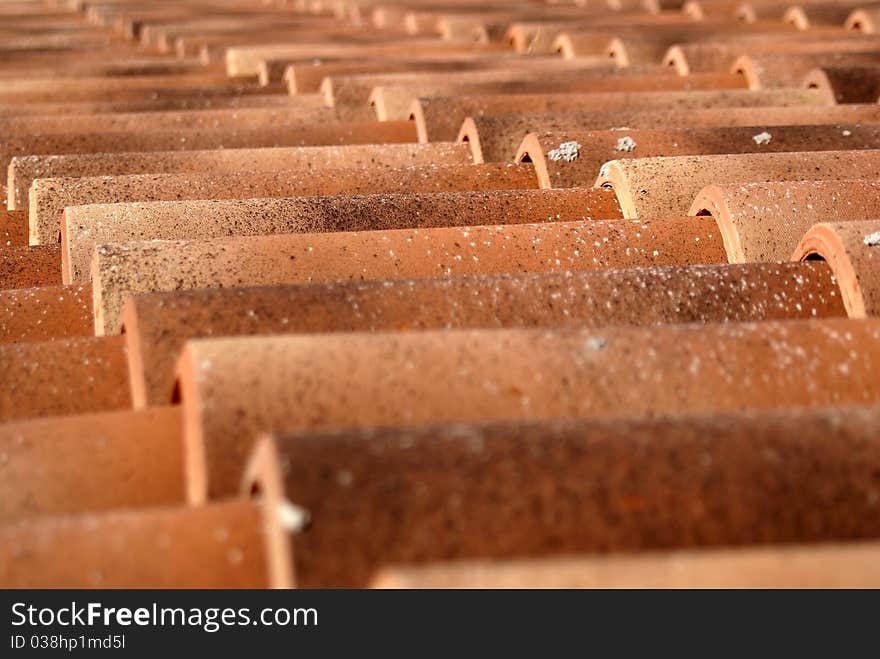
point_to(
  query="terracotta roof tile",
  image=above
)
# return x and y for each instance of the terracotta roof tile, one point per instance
(121, 270)
(784, 71)
(765, 221)
(598, 147)
(465, 490)
(99, 94)
(85, 227)
(23, 170)
(50, 196)
(29, 315)
(150, 104)
(13, 228)
(223, 545)
(848, 84)
(851, 251)
(25, 267)
(648, 187)
(503, 133)
(842, 565)
(309, 109)
(810, 15)
(133, 460)
(157, 326)
(866, 19)
(281, 135)
(66, 376)
(355, 89)
(440, 118)
(714, 56)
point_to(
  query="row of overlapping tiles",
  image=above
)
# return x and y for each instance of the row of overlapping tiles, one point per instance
(341, 293)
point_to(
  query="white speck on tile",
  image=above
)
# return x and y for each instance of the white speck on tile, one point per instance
(292, 517)
(596, 343)
(567, 151)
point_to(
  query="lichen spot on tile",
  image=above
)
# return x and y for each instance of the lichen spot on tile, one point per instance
(596, 343)
(625, 144)
(873, 239)
(567, 151)
(762, 138)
